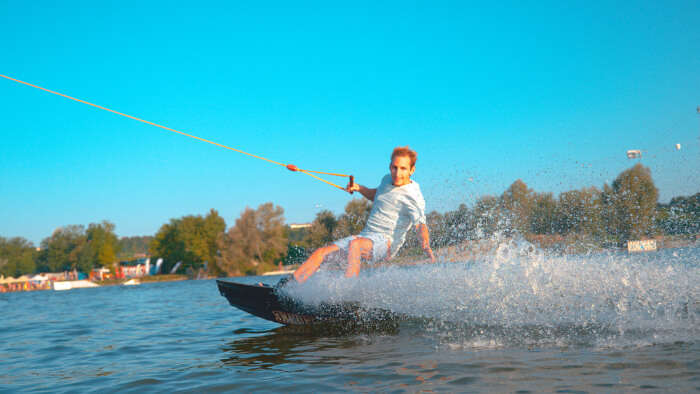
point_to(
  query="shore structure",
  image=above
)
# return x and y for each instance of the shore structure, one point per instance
(73, 284)
(23, 283)
(131, 272)
(42, 281)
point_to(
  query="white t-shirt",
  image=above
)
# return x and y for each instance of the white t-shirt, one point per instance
(395, 211)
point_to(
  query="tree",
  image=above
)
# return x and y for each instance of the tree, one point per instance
(255, 243)
(131, 246)
(438, 229)
(322, 229)
(517, 201)
(63, 249)
(543, 214)
(101, 247)
(17, 257)
(168, 245)
(214, 225)
(578, 211)
(680, 216)
(487, 215)
(630, 204)
(459, 225)
(190, 240)
(354, 219)
(296, 254)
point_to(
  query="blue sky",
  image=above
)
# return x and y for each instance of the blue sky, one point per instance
(552, 93)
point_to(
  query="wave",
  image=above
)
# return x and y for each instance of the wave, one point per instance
(520, 294)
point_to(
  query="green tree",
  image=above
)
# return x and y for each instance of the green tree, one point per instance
(487, 216)
(353, 220)
(63, 250)
(322, 230)
(190, 240)
(680, 216)
(255, 243)
(543, 216)
(168, 245)
(101, 247)
(296, 254)
(579, 211)
(214, 225)
(438, 229)
(17, 257)
(630, 204)
(610, 218)
(132, 246)
(459, 225)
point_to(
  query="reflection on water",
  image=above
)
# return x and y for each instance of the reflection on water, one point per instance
(413, 360)
(358, 358)
(282, 345)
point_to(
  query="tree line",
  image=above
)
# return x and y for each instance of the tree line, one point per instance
(260, 239)
(73, 247)
(628, 209)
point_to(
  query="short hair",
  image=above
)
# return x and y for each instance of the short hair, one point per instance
(405, 151)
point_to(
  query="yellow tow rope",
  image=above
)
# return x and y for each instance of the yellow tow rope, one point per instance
(290, 167)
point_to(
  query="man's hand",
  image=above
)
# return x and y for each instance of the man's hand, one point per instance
(424, 236)
(356, 187)
(352, 187)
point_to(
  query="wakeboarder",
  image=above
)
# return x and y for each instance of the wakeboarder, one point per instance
(398, 206)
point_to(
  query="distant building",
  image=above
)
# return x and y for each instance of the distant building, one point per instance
(298, 232)
(134, 268)
(100, 274)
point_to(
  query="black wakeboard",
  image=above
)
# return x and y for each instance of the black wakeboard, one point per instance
(267, 303)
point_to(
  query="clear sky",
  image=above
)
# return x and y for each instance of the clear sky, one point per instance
(550, 92)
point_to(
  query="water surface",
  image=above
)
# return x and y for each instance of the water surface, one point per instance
(514, 321)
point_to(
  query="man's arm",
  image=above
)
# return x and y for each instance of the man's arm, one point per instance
(366, 192)
(424, 235)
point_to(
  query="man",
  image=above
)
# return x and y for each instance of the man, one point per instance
(397, 206)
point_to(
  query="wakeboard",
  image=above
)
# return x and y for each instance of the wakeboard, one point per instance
(269, 303)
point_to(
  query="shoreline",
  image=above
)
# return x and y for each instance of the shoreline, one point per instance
(467, 250)
(29, 286)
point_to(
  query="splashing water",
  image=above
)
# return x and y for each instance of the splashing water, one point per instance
(520, 295)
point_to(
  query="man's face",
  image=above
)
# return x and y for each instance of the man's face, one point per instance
(401, 170)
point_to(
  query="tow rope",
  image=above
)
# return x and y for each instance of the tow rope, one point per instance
(290, 167)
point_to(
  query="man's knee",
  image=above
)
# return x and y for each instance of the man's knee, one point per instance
(325, 250)
(331, 248)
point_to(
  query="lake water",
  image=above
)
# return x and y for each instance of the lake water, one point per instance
(513, 321)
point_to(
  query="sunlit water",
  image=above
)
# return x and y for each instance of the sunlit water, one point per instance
(518, 320)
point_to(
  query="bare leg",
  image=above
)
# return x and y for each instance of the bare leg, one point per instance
(359, 248)
(314, 261)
